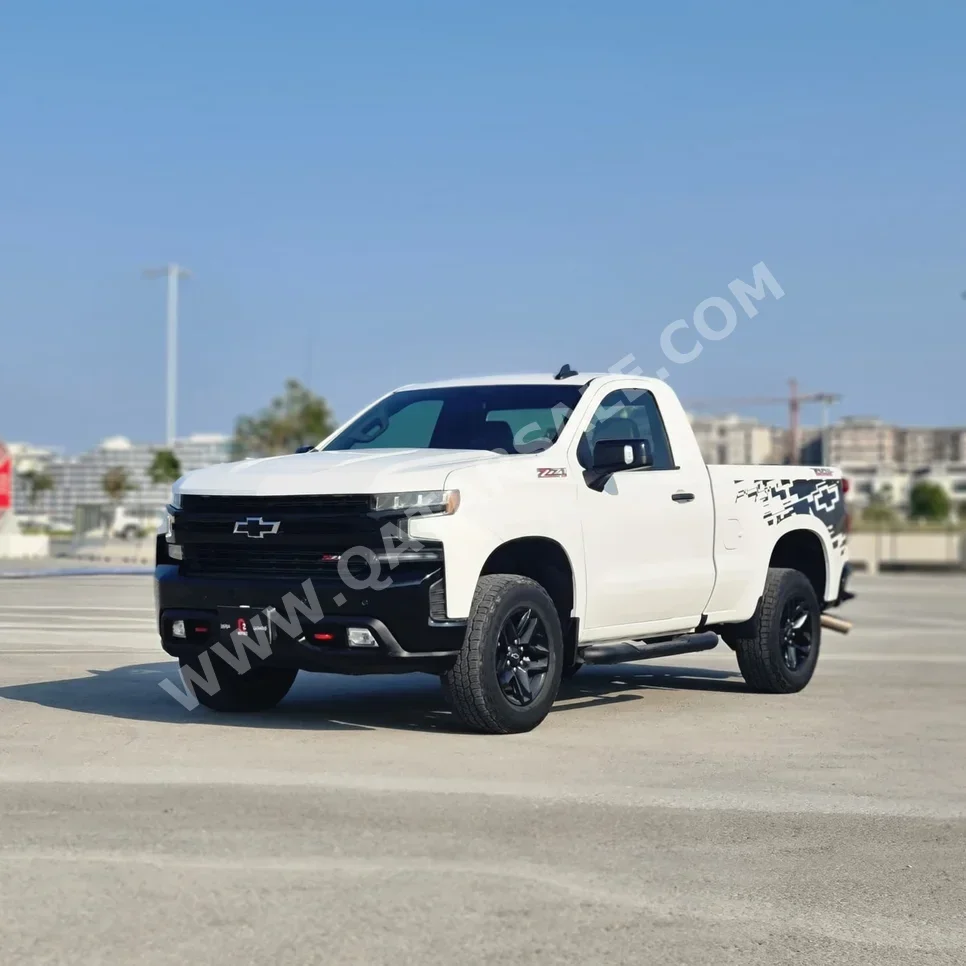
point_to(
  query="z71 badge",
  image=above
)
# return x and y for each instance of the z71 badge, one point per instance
(545, 472)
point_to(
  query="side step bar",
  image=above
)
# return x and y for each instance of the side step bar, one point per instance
(625, 651)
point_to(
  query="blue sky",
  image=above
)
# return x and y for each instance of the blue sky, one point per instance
(376, 193)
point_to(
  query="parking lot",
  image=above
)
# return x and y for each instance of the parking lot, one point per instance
(661, 814)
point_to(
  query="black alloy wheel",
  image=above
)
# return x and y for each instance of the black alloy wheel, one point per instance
(522, 656)
(796, 632)
(778, 648)
(507, 674)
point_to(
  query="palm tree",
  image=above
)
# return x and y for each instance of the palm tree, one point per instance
(165, 467)
(296, 418)
(116, 484)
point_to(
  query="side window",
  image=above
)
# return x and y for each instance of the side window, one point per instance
(629, 414)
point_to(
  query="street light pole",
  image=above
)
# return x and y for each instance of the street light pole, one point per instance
(826, 399)
(173, 273)
(824, 457)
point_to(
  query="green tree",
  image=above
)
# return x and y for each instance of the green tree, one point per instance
(37, 482)
(878, 511)
(165, 467)
(296, 418)
(929, 501)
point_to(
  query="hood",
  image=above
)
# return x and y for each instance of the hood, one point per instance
(336, 471)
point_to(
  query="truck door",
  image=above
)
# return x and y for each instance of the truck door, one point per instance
(649, 532)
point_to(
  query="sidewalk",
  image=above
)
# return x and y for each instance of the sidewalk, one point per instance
(114, 552)
(106, 558)
(65, 567)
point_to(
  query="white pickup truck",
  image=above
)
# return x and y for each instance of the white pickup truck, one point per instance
(498, 532)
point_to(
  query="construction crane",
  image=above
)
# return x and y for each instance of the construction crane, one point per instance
(793, 400)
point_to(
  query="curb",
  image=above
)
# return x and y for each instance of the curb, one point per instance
(76, 572)
(94, 558)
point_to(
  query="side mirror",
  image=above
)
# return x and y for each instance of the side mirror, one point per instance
(306, 449)
(613, 455)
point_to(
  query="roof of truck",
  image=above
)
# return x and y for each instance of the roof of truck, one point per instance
(520, 379)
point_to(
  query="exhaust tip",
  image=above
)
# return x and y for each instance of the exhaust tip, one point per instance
(836, 624)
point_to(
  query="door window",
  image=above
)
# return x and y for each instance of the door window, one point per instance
(628, 415)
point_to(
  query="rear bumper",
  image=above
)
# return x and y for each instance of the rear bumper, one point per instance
(398, 617)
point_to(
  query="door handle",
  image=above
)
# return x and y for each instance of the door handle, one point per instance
(682, 497)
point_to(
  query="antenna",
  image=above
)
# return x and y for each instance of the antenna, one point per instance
(565, 372)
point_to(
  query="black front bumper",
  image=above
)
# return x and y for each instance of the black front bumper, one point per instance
(398, 617)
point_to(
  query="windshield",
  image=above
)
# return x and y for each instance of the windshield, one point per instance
(506, 419)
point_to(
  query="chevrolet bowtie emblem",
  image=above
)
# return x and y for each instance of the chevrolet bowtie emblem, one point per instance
(255, 527)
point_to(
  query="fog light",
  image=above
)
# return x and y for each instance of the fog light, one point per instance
(361, 637)
(177, 629)
(175, 551)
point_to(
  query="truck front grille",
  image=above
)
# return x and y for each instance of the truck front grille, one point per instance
(221, 561)
(241, 506)
(284, 536)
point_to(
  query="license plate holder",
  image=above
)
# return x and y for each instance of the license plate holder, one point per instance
(253, 622)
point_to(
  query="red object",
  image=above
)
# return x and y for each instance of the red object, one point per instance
(323, 637)
(6, 479)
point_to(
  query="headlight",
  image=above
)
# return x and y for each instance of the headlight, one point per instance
(169, 524)
(420, 501)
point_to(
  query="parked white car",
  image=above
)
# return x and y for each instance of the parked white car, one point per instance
(501, 533)
(131, 523)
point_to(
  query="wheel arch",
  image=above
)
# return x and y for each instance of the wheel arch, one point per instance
(803, 549)
(544, 560)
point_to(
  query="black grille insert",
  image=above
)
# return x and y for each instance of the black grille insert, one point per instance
(255, 505)
(275, 561)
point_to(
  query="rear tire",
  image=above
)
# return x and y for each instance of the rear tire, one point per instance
(258, 689)
(778, 649)
(507, 674)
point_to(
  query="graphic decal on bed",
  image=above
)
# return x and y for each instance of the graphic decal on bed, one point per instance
(780, 499)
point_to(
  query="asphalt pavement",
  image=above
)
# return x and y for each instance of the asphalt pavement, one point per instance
(661, 814)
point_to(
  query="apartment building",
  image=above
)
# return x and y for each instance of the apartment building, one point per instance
(734, 439)
(919, 446)
(884, 462)
(79, 480)
(862, 440)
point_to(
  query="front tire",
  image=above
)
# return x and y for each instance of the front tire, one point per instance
(777, 651)
(258, 689)
(507, 674)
